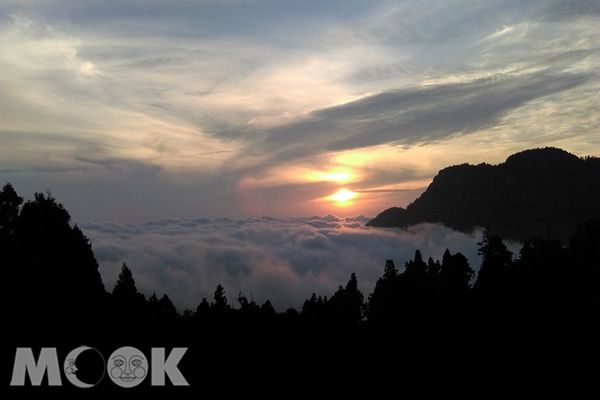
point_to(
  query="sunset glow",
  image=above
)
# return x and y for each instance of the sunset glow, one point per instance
(336, 175)
(343, 197)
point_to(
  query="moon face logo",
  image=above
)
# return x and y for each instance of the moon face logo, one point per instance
(127, 367)
(82, 366)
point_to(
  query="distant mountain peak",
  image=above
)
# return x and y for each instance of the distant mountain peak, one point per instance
(541, 155)
(537, 192)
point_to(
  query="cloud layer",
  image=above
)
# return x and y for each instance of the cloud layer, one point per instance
(284, 260)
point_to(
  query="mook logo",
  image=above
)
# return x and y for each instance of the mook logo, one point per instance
(85, 367)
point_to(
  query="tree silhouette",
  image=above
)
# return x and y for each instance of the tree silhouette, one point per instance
(314, 310)
(347, 304)
(220, 304)
(54, 275)
(203, 309)
(129, 305)
(497, 260)
(417, 266)
(354, 298)
(10, 204)
(385, 297)
(267, 309)
(539, 270)
(167, 309)
(390, 272)
(125, 290)
(455, 272)
(14, 278)
(433, 268)
(249, 307)
(584, 254)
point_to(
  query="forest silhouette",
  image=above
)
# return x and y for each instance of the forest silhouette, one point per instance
(527, 323)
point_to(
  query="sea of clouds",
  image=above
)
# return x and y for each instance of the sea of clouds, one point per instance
(281, 259)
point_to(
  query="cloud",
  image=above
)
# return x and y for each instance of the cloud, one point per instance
(153, 62)
(561, 10)
(284, 260)
(122, 165)
(413, 116)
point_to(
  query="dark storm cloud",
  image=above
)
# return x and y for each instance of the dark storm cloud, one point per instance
(284, 260)
(413, 116)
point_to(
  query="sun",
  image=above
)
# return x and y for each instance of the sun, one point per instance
(343, 197)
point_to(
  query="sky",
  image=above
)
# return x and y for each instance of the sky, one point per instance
(146, 110)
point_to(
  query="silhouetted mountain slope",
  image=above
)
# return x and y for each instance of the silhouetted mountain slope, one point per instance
(537, 192)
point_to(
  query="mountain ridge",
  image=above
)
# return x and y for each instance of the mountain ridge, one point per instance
(542, 192)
